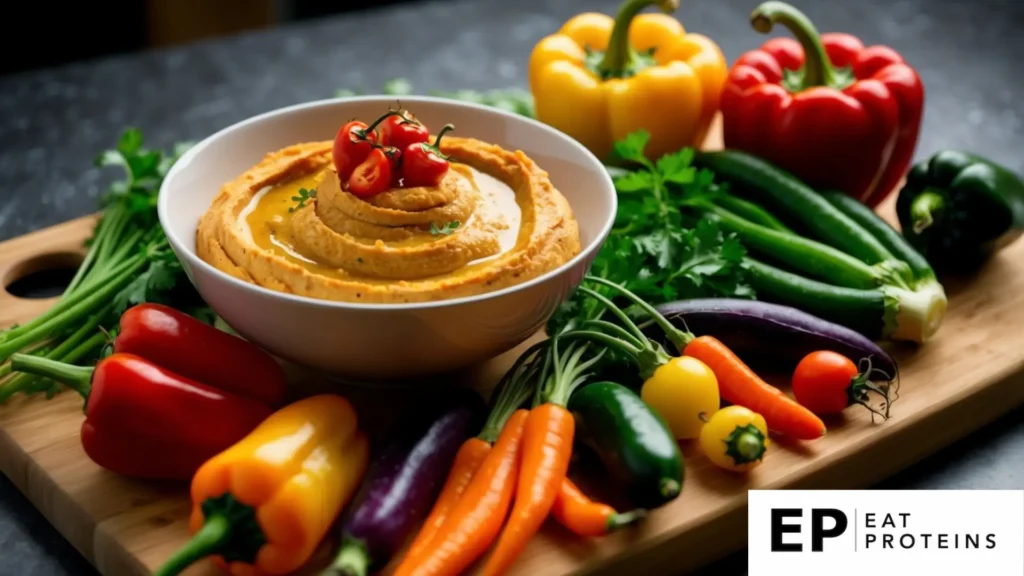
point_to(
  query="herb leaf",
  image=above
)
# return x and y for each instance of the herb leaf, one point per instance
(445, 230)
(303, 196)
(654, 251)
(631, 148)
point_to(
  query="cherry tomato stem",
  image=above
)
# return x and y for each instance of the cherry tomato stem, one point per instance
(403, 130)
(424, 164)
(827, 382)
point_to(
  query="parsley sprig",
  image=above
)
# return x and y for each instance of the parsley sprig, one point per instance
(129, 261)
(654, 249)
(446, 229)
(302, 196)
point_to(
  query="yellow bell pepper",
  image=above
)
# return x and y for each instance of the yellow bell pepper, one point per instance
(599, 79)
(262, 506)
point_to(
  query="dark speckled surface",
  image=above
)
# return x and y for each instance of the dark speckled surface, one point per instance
(53, 122)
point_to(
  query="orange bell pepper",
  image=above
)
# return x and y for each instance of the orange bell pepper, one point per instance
(262, 506)
(599, 79)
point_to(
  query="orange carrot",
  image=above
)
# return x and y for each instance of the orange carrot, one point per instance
(584, 517)
(476, 520)
(467, 462)
(739, 384)
(547, 448)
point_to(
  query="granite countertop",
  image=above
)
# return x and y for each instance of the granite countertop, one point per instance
(54, 122)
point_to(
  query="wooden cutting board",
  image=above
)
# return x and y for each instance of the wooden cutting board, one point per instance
(970, 374)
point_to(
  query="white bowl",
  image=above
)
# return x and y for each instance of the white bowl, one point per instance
(383, 341)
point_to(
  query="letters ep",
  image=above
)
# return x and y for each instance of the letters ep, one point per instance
(783, 524)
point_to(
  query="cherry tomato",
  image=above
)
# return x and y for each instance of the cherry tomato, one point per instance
(424, 164)
(683, 392)
(394, 156)
(351, 146)
(403, 130)
(371, 177)
(827, 382)
(735, 438)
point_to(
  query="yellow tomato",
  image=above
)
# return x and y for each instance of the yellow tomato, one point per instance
(735, 438)
(682, 392)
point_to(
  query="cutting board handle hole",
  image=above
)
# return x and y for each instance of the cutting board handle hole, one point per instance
(43, 276)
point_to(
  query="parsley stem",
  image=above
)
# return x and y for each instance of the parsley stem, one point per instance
(512, 391)
(100, 275)
(614, 329)
(111, 227)
(69, 351)
(569, 373)
(99, 239)
(617, 312)
(677, 336)
(602, 338)
(100, 272)
(55, 324)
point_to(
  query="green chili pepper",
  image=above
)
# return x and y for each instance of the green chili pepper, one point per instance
(958, 209)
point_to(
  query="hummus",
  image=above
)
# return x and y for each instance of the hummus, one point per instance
(495, 220)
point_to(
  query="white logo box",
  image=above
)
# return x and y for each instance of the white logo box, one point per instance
(886, 532)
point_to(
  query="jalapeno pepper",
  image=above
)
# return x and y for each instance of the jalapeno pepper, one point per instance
(958, 209)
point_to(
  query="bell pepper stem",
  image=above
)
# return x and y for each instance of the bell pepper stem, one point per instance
(214, 534)
(745, 444)
(619, 55)
(818, 69)
(352, 560)
(926, 208)
(366, 131)
(75, 377)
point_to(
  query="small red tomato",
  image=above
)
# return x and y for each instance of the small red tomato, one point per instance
(827, 382)
(351, 146)
(403, 130)
(394, 156)
(424, 164)
(371, 177)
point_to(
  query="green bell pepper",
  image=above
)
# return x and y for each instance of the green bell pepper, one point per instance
(958, 209)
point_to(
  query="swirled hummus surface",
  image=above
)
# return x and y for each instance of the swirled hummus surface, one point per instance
(495, 220)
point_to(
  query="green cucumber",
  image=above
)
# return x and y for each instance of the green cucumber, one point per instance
(804, 254)
(633, 443)
(882, 231)
(751, 211)
(885, 312)
(858, 309)
(794, 200)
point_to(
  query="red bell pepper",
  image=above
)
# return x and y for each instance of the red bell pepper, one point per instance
(145, 421)
(825, 108)
(180, 343)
